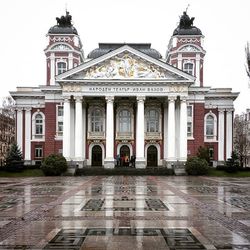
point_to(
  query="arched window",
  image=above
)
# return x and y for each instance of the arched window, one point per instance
(152, 117)
(38, 124)
(61, 67)
(96, 120)
(210, 122)
(189, 68)
(124, 121)
(210, 126)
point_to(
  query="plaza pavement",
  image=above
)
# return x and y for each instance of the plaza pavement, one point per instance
(125, 212)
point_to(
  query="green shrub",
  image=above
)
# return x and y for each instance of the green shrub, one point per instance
(196, 166)
(54, 165)
(14, 159)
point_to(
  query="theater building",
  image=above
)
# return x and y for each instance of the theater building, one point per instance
(124, 99)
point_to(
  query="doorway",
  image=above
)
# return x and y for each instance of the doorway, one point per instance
(125, 155)
(152, 156)
(96, 156)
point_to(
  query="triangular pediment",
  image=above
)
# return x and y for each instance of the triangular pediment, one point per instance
(125, 63)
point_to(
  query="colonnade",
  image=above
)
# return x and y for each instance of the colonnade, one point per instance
(175, 142)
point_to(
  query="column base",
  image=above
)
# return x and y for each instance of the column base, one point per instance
(140, 163)
(109, 163)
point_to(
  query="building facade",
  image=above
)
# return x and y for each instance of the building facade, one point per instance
(124, 99)
(7, 133)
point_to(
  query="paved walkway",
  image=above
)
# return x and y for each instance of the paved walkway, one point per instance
(125, 212)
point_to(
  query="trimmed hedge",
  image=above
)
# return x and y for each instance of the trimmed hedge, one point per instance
(54, 164)
(196, 166)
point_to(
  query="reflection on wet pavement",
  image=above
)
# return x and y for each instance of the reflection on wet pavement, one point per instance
(125, 212)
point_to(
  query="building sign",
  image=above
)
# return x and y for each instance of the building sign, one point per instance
(103, 90)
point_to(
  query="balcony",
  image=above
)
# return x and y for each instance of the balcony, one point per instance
(96, 135)
(153, 136)
(124, 136)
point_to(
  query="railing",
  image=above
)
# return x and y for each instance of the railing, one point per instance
(153, 135)
(96, 135)
(124, 135)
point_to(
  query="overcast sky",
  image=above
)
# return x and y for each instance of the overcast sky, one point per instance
(225, 25)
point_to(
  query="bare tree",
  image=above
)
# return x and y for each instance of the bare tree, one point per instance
(247, 51)
(241, 138)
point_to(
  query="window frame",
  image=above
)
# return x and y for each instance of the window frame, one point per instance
(188, 70)
(212, 137)
(64, 61)
(35, 136)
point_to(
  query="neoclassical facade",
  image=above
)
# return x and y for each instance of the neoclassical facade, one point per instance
(124, 99)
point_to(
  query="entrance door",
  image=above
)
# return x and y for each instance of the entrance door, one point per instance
(152, 156)
(96, 156)
(125, 155)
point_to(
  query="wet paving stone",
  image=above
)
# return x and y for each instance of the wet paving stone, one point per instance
(125, 212)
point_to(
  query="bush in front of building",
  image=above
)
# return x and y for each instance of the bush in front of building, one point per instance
(232, 164)
(54, 164)
(14, 159)
(196, 166)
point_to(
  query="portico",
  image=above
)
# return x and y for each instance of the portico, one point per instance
(174, 112)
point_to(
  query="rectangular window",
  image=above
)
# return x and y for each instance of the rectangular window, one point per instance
(38, 152)
(189, 129)
(211, 153)
(190, 121)
(59, 125)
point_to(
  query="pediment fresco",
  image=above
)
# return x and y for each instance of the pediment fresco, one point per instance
(125, 66)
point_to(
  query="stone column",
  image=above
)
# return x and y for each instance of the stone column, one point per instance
(19, 128)
(27, 156)
(84, 130)
(171, 129)
(221, 135)
(165, 125)
(179, 64)
(52, 69)
(78, 130)
(109, 160)
(183, 129)
(197, 69)
(229, 132)
(140, 158)
(70, 60)
(66, 129)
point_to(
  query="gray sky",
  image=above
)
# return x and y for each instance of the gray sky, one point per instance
(225, 24)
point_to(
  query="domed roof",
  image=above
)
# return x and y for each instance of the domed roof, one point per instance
(105, 48)
(62, 30)
(186, 27)
(190, 31)
(64, 25)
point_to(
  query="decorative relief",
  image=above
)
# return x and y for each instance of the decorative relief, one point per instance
(125, 66)
(61, 47)
(72, 88)
(189, 48)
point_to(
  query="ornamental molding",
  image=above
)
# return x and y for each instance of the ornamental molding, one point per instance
(189, 48)
(61, 39)
(189, 40)
(72, 88)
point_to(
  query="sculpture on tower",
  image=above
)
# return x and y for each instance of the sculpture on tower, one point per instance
(64, 21)
(185, 21)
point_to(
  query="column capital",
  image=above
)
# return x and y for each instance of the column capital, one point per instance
(220, 110)
(19, 109)
(109, 99)
(183, 98)
(140, 98)
(171, 98)
(230, 110)
(66, 99)
(27, 109)
(78, 98)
